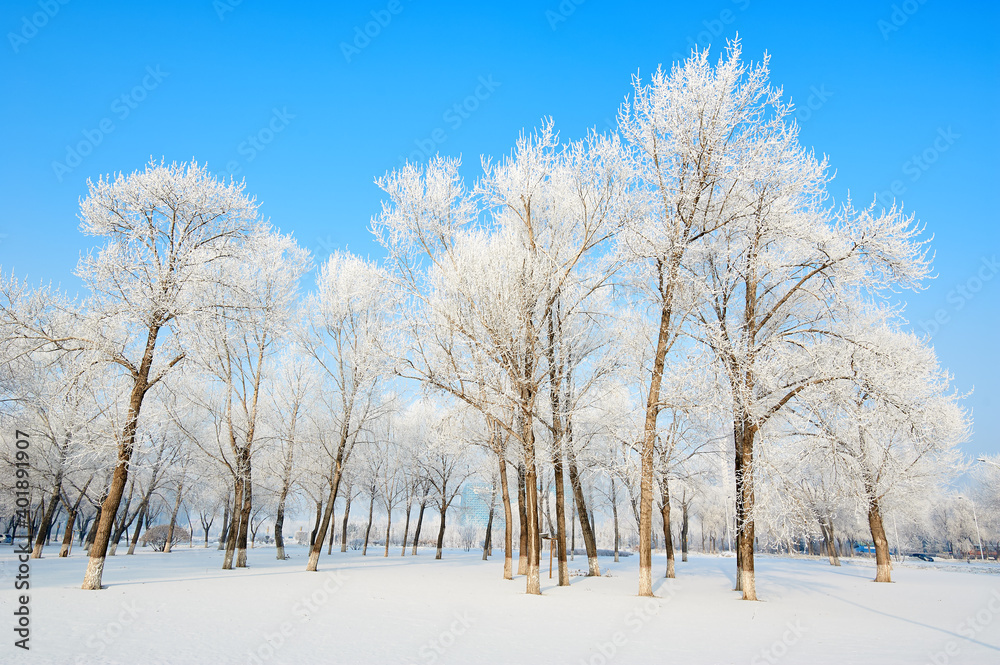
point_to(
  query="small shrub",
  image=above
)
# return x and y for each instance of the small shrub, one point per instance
(156, 537)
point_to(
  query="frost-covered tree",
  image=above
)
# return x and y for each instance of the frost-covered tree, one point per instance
(349, 322)
(163, 228)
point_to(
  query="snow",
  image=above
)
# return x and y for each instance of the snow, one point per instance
(182, 608)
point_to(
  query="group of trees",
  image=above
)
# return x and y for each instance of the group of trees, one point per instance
(671, 314)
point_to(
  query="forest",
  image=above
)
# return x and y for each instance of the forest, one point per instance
(661, 337)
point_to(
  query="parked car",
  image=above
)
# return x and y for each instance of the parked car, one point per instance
(922, 556)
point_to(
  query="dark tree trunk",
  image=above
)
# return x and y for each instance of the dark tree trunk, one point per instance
(420, 523)
(522, 553)
(67, 542)
(586, 528)
(440, 541)
(368, 530)
(684, 531)
(508, 526)
(406, 528)
(343, 532)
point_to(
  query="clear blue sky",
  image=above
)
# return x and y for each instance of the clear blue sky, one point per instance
(888, 82)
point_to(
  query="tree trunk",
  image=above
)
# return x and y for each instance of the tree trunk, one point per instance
(586, 529)
(67, 542)
(522, 535)
(488, 540)
(684, 531)
(224, 532)
(388, 526)
(279, 526)
(338, 472)
(36, 552)
(343, 532)
(143, 509)
(508, 526)
(371, 512)
(443, 507)
(173, 520)
(420, 523)
(745, 537)
(831, 547)
(119, 477)
(333, 530)
(883, 563)
(406, 527)
(533, 582)
(234, 520)
(241, 538)
(668, 541)
(614, 515)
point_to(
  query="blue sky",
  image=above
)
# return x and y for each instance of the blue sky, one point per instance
(899, 95)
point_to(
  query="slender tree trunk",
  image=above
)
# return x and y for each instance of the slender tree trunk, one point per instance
(234, 520)
(745, 537)
(488, 541)
(388, 527)
(241, 539)
(614, 515)
(143, 510)
(371, 512)
(508, 527)
(279, 525)
(684, 531)
(420, 523)
(338, 472)
(668, 541)
(586, 528)
(173, 520)
(831, 547)
(123, 522)
(50, 509)
(67, 542)
(333, 530)
(443, 507)
(343, 532)
(522, 510)
(315, 529)
(226, 517)
(882, 561)
(406, 527)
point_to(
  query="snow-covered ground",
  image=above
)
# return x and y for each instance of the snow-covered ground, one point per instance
(182, 608)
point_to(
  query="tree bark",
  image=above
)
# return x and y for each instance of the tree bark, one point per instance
(420, 523)
(371, 512)
(443, 508)
(67, 542)
(508, 527)
(668, 541)
(406, 527)
(745, 537)
(522, 535)
(173, 519)
(234, 520)
(338, 471)
(488, 540)
(343, 532)
(143, 511)
(388, 526)
(882, 561)
(50, 509)
(119, 477)
(586, 530)
(684, 531)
